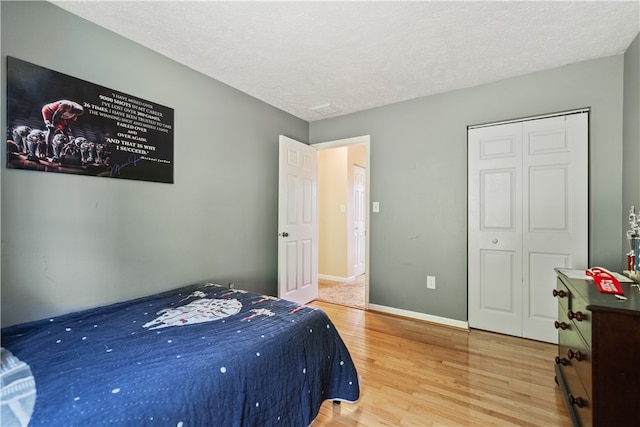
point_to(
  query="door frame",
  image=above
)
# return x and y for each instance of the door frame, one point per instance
(366, 141)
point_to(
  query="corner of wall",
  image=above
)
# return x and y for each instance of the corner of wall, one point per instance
(631, 135)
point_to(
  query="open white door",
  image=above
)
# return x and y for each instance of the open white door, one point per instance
(297, 222)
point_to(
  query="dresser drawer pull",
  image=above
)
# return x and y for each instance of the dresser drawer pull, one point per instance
(575, 355)
(578, 401)
(561, 361)
(579, 316)
(560, 293)
(560, 325)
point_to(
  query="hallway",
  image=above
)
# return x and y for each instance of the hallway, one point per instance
(349, 294)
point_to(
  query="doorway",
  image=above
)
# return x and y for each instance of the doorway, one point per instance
(343, 244)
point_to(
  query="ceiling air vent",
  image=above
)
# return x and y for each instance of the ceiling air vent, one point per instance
(326, 109)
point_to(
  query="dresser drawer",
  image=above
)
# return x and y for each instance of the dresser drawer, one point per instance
(577, 400)
(563, 295)
(578, 405)
(574, 353)
(574, 308)
(578, 313)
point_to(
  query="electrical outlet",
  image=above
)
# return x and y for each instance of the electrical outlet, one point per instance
(431, 282)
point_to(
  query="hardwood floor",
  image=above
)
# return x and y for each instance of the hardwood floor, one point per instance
(414, 373)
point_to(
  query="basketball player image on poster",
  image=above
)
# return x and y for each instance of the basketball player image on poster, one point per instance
(58, 123)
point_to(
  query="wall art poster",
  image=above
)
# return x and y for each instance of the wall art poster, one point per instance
(59, 123)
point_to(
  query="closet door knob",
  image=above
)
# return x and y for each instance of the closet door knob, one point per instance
(494, 240)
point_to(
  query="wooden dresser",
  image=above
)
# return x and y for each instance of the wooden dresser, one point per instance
(598, 362)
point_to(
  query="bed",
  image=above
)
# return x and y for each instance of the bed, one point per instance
(200, 355)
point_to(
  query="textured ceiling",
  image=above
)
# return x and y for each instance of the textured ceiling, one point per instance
(296, 55)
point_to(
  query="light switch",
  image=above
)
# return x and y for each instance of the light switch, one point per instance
(376, 206)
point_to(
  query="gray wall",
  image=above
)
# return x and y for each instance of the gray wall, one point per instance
(74, 242)
(631, 135)
(419, 176)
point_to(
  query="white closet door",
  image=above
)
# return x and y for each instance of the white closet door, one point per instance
(528, 213)
(555, 223)
(495, 228)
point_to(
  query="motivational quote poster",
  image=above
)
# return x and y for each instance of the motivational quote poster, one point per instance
(58, 123)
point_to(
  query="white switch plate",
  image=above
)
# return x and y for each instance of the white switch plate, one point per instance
(376, 206)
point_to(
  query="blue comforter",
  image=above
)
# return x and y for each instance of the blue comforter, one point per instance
(201, 355)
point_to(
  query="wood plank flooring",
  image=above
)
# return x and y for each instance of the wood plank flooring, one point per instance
(416, 373)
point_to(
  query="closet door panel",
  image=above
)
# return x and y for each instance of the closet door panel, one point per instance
(555, 212)
(548, 199)
(495, 229)
(497, 196)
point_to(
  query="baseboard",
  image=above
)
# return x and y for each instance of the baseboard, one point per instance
(420, 316)
(336, 278)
